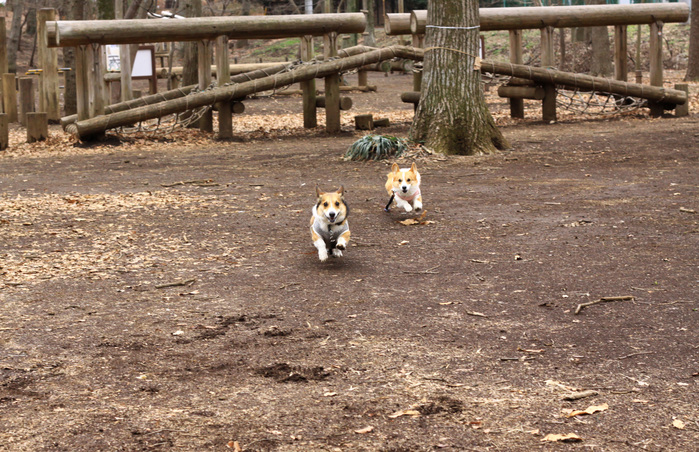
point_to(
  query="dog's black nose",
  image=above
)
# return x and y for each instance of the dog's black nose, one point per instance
(405, 189)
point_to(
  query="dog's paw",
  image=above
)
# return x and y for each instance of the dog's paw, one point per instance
(408, 208)
(341, 245)
(322, 255)
(337, 252)
(418, 206)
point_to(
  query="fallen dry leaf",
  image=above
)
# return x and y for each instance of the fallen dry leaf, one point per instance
(366, 429)
(678, 424)
(590, 410)
(567, 438)
(409, 221)
(234, 445)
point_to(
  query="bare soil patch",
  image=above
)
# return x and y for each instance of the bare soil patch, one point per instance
(166, 295)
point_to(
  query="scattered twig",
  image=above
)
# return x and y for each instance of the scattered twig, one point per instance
(184, 282)
(686, 210)
(288, 285)
(200, 183)
(603, 300)
(475, 314)
(429, 271)
(580, 395)
(635, 354)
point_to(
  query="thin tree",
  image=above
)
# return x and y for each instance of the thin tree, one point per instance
(15, 34)
(601, 61)
(693, 63)
(452, 116)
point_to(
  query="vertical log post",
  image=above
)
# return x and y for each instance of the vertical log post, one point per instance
(37, 126)
(656, 64)
(9, 96)
(621, 68)
(418, 41)
(48, 58)
(223, 76)
(206, 123)
(548, 105)
(4, 132)
(3, 54)
(82, 84)
(124, 58)
(26, 98)
(332, 87)
(95, 77)
(516, 103)
(682, 110)
(310, 117)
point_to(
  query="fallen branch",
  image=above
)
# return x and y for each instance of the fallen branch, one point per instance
(429, 271)
(184, 282)
(603, 300)
(580, 395)
(200, 183)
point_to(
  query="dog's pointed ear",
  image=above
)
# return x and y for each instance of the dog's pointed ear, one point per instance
(395, 168)
(318, 192)
(413, 167)
(341, 190)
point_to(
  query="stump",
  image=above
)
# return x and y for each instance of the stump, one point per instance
(4, 132)
(364, 122)
(37, 127)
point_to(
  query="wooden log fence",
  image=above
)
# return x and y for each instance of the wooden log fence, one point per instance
(89, 36)
(547, 19)
(92, 127)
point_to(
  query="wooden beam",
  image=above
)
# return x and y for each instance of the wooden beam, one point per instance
(4, 132)
(37, 127)
(70, 33)
(656, 64)
(621, 67)
(310, 117)
(26, 99)
(532, 17)
(48, 59)
(516, 57)
(332, 87)
(206, 123)
(9, 96)
(223, 76)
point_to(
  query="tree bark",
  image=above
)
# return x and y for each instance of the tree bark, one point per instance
(72, 10)
(369, 36)
(452, 117)
(601, 62)
(693, 63)
(192, 8)
(15, 35)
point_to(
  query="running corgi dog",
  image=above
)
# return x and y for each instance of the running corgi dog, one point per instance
(329, 228)
(403, 184)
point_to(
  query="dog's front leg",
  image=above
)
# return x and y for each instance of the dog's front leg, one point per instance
(319, 243)
(417, 205)
(342, 242)
(404, 204)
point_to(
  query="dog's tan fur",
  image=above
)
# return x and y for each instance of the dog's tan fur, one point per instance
(329, 228)
(404, 184)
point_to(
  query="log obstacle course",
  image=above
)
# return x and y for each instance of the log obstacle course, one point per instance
(547, 19)
(88, 37)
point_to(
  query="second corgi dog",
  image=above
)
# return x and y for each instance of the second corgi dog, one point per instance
(403, 184)
(329, 228)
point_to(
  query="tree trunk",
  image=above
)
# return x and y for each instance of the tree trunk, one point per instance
(15, 35)
(452, 117)
(190, 76)
(693, 63)
(71, 10)
(105, 9)
(369, 36)
(601, 63)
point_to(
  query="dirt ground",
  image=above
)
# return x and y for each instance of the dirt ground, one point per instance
(167, 296)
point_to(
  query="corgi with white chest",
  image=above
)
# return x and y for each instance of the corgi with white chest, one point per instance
(403, 184)
(329, 228)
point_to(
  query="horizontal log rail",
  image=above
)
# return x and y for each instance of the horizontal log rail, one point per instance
(87, 128)
(586, 82)
(520, 18)
(72, 33)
